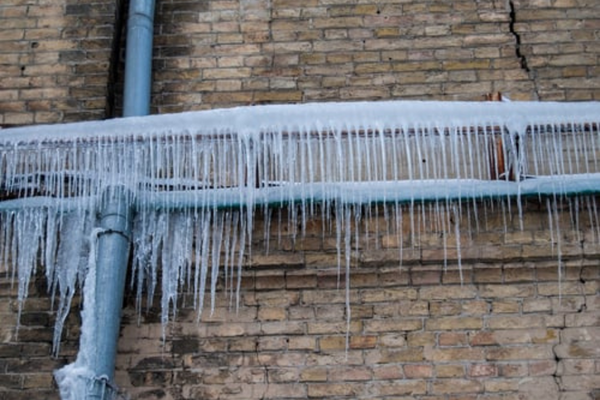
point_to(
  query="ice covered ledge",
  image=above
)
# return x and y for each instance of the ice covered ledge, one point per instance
(350, 152)
(314, 117)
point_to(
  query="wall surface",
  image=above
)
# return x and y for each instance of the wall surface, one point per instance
(54, 60)
(510, 328)
(514, 327)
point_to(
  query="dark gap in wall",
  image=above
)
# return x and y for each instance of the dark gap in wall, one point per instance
(511, 26)
(116, 54)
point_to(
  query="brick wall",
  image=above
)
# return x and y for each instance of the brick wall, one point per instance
(511, 328)
(54, 60)
(57, 65)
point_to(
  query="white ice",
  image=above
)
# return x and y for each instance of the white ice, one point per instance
(198, 177)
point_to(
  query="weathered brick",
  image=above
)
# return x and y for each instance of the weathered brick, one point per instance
(395, 356)
(536, 352)
(483, 370)
(398, 388)
(455, 354)
(448, 292)
(451, 339)
(449, 370)
(444, 386)
(342, 374)
(578, 350)
(452, 323)
(375, 326)
(335, 389)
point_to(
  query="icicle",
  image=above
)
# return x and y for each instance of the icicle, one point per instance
(27, 237)
(456, 215)
(348, 255)
(76, 378)
(556, 216)
(216, 258)
(70, 268)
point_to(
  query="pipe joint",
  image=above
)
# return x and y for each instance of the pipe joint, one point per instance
(121, 233)
(141, 20)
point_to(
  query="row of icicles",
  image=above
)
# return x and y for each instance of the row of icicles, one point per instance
(202, 243)
(202, 252)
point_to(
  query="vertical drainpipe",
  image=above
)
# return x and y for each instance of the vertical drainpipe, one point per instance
(116, 212)
(138, 58)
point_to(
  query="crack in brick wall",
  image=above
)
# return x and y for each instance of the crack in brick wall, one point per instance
(519, 50)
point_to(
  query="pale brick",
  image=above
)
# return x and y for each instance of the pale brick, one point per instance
(537, 305)
(576, 367)
(448, 292)
(314, 374)
(452, 323)
(501, 307)
(541, 368)
(394, 356)
(342, 374)
(444, 386)
(570, 335)
(416, 371)
(536, 352)
(404, 324)
(398, 388)
(451, 339)
(483, 370)
(578, 350)
(421, 339)
(501, 385)
(321, 390)
(270, 314)
(332, 343)
(385, 295)
(302, 343)
(515, 322)
(449, 370)
(456, 354)
(387, 372)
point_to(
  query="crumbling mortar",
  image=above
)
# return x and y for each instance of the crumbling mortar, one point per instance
(583, 306)
(557, 375)
(265, 368)
(522, 58)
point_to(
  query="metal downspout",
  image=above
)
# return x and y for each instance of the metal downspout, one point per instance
(138, 58)
(114, 238)
(116, 212)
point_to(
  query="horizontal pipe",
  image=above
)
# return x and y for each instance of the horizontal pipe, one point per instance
(349, 192)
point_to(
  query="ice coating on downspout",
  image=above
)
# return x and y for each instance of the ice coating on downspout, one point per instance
(76, 379)
(92, 373)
